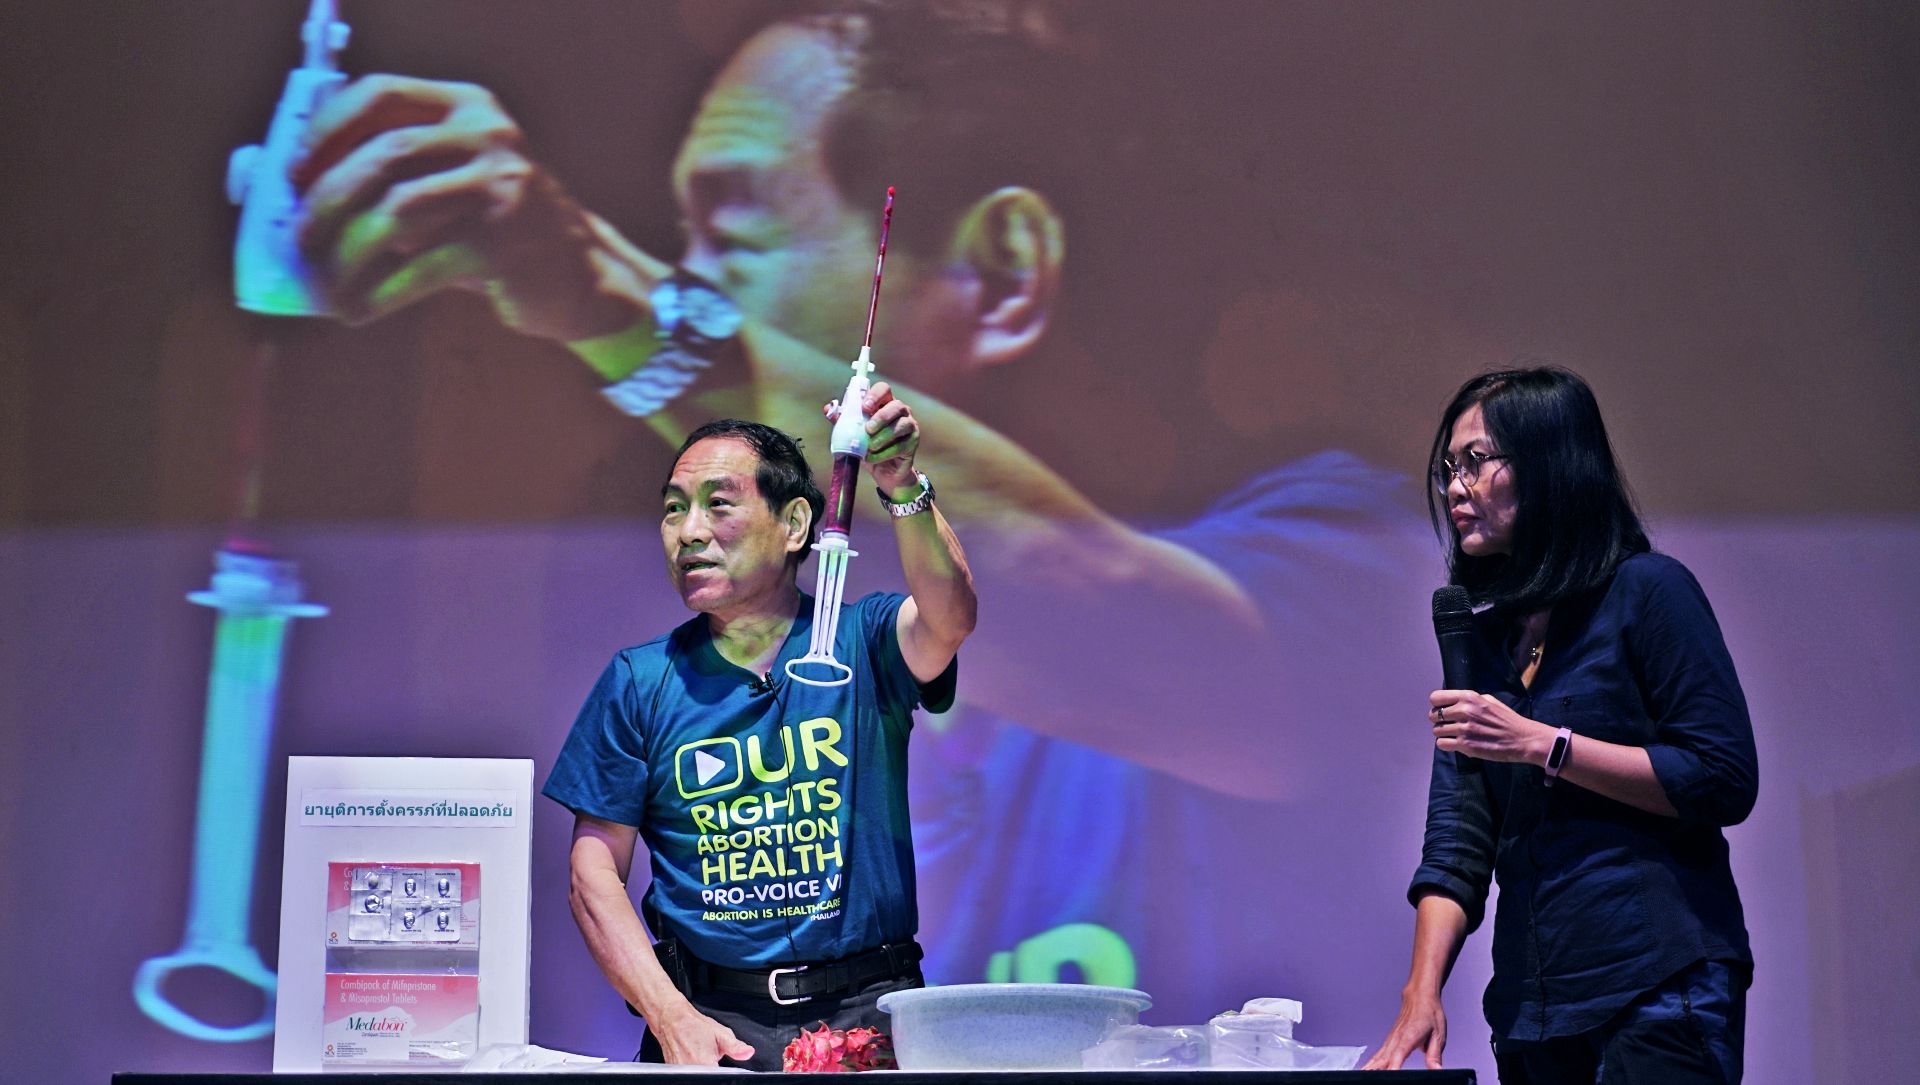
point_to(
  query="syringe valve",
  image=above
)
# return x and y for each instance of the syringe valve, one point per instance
(324, 36)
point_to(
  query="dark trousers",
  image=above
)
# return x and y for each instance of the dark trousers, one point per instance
(768, 1026)
(1690, 1030)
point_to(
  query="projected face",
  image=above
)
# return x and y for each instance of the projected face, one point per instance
(763, 217)
(726, 549)
(1480, 497)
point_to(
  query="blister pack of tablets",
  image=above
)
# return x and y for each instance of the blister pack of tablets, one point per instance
(402, 904)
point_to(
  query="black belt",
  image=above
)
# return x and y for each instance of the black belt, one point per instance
(790, 984)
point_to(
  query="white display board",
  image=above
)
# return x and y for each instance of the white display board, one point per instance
(404, 811)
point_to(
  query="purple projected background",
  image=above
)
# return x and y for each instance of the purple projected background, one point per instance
(1320, 220)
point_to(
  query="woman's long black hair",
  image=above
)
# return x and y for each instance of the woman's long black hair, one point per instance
(1575, 519)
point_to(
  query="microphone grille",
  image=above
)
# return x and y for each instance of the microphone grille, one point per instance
(1452, 609)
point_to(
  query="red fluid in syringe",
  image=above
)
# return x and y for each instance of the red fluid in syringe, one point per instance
(840, 490)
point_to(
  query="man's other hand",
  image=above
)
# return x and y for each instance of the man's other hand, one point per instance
(691, 1038)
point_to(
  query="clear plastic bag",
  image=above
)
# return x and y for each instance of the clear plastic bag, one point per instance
(1258, 1036)
(1146, 1047)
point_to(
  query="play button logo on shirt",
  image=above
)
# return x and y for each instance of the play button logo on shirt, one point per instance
(708, 766)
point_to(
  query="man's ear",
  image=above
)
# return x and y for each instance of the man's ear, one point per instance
(797, 519)
(1012, 243)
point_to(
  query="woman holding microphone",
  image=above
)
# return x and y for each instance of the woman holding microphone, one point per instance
(1590, 770)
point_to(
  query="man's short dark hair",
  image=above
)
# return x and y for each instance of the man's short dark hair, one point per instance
(781, 473)
(953, 99)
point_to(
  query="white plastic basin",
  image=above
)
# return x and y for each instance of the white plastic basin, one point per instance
(1005, 1026)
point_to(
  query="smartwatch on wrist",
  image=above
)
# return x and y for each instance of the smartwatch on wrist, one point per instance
(920, 503)
(693, 322)
(1557, 754)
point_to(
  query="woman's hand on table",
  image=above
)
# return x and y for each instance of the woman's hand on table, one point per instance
(1421, 1026)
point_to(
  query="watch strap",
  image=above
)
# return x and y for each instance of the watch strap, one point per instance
(683, 352)
(921, 502)
(669, 372)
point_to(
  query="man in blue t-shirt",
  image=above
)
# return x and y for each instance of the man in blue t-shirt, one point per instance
(774, 813)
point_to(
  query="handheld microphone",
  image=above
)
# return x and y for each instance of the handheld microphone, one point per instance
(1453, 628)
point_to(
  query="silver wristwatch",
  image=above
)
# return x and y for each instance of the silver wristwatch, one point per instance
(693, 321)
(921, 502)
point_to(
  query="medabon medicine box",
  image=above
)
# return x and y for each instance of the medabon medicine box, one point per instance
(403, 953)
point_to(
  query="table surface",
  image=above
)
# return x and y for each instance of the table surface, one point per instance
(890, 1077)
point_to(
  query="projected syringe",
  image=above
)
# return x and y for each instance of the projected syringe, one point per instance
(255, 593)
(256, 596)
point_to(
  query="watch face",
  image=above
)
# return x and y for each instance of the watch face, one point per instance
(709, 313)
(665, 300)
(691, 311)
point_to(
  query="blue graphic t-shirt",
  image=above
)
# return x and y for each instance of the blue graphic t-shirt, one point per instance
(775, 817)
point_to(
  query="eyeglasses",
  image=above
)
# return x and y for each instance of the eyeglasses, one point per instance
(1468, 472)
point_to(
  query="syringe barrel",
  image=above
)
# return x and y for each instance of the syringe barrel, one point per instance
(840, 490)
(270, 274)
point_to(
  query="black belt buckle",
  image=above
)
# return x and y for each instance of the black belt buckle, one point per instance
(773, 986)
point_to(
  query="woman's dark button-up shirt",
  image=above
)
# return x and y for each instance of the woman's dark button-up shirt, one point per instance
(1600, 901)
